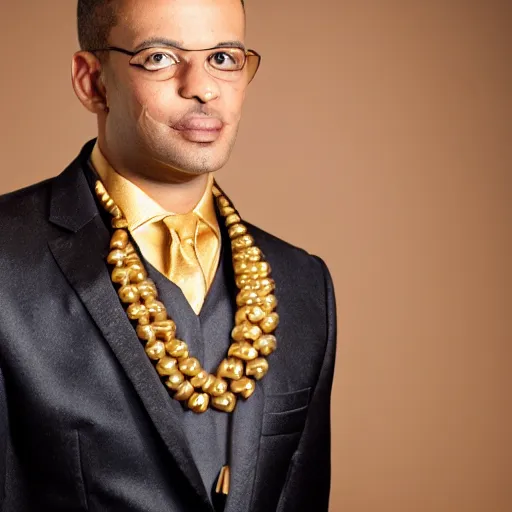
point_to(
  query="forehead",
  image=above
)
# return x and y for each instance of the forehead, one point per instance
(192, 23)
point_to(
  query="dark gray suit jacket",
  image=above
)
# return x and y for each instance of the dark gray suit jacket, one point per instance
(85, 422)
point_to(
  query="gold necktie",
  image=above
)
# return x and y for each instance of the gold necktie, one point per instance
(184, 268)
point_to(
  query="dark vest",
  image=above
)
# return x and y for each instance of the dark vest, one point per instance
(208, 338)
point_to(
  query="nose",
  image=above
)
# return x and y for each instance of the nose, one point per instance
(197, 84)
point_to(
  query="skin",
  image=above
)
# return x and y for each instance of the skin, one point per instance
(165, 136)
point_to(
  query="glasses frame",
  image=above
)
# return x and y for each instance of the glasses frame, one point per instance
(247, 53)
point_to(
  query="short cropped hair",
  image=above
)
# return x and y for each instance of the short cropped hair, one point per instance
(95, 19)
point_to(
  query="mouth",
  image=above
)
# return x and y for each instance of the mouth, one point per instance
(200, 129)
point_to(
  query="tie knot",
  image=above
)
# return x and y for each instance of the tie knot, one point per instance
(184, 225)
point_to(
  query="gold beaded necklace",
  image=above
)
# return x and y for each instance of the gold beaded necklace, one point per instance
(255, 318)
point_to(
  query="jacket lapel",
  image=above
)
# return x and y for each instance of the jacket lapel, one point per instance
(80, 252)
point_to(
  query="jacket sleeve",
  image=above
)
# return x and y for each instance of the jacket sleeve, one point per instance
(308, 481)
(3, 439)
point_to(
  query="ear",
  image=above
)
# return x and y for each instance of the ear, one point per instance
(87, 82)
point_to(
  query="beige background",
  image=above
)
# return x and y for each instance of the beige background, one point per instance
(381, 132)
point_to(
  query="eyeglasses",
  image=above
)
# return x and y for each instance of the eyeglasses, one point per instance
(229, 64)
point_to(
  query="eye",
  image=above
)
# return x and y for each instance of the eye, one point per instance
(160, 60)
(230, 60)
(155, 59)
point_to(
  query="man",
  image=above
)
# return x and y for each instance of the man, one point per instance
(141, 366)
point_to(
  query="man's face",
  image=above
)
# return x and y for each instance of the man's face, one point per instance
(186, 125)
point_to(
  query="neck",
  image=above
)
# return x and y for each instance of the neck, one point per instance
(177, 193)
(176, 197)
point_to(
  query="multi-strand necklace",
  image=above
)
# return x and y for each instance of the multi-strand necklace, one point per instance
(255, 319)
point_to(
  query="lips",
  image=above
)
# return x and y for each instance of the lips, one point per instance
(200, 129)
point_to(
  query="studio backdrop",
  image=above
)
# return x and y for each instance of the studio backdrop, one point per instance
(380, 132)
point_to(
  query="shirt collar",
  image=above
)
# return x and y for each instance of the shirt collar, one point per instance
(138, 207)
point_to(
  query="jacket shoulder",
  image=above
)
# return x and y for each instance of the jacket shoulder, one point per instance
(24, 205)
(285, 253)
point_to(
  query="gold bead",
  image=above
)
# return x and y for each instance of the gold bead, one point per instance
(219, 387)
(184, 391)
(269, 323)
(164, 327)
(254, 270)
(243, 350)
(147, 289)
(252, 314)
(242, 242)
(246, 331)
(241, 315)
(130, 251)
(176, 348)
(266, 344)
(166, 366)
(234, 218)
(256, 314)
(231, 368)
(119, 239)
(247, 298)
(137, 311)
(252, 333)
(198, 402)
(225, 402)
(120, 223)
(145, 332)
(132, 260)
(215, 386)
(225, 211)
(269, 303)
(265, 286)
(209, 382)
(242, 268)
(243, 281)
(175, 379)
(116, 257)
(137, 276)
(101, 192)
(129, 293)
(257, 368)
(120, 275)
(157, 310)
(249, 254)
(237, 332)
(237, 230)
(244, 387)
(190, 366)
(223, 201)
(263, 269)
(200, 379)
(168, 336)
(155, 350)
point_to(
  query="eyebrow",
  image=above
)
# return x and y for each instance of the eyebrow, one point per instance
(164, 42)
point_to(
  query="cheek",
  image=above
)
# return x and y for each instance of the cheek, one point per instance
(154, 101)
(232, 99)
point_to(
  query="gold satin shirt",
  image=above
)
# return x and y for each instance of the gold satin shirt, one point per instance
(145, 221)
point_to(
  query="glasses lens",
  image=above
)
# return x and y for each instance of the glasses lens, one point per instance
(252, 64)
(226, 64)
(233, 65)
(158, 63)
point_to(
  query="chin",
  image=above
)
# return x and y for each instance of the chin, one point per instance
(200, 160)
